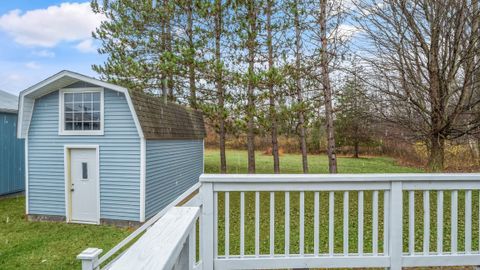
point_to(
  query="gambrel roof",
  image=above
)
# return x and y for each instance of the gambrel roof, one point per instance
(154, 119)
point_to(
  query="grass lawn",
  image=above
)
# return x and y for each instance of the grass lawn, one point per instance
(292, 163)
(47, 245)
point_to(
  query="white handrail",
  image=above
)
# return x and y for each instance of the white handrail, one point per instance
(145, 226)
(165, 244)
(317, 178)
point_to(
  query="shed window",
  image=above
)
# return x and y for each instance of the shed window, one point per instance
(82, 112)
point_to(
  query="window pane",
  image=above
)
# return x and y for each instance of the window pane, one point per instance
(87, 116)
(96, 126)
(77, 97)
(87, 97)
(96, 106)
(88, 106)
(68, 117)
(96, 96)
(84, 170)
(87, 126)
(77, 117)
(69, 126)
(68, 106)
(68, 97)
(78, 107)
(77, 125)
(96, 116)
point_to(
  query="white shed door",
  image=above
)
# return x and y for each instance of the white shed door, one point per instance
(84, 185)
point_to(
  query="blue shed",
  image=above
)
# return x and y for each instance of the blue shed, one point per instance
(99, 153)
(12, 150)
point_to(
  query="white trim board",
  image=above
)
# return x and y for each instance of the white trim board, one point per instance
(67, 180)
(143, 165)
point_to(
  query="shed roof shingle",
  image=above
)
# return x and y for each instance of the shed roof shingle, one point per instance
(166, 121)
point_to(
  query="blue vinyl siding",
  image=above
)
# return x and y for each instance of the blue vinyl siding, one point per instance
(119, 159)
(172, 167)
(12, 153)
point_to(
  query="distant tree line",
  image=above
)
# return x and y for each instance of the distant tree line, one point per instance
(273, 68)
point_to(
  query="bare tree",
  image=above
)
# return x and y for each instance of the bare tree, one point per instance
(422, 56)
(327, 89)
(298, 84)
(271, 88)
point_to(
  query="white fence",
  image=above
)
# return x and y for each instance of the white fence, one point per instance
(307, 221)
(324, 220)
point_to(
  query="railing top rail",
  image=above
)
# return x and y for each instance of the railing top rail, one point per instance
(162, 243)
(317, 178)
(147, 224)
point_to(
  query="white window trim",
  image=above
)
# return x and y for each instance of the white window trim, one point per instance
(61, 116)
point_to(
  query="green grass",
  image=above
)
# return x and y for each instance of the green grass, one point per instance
(52, 245)
(291, 163)
(47, 245)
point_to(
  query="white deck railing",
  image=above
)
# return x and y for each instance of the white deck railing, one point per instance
(307, 221)
(337, 210)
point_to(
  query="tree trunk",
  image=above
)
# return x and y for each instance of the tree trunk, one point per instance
(168, 47)
(327, 90)
(356, 151)
(191, 56)
(219, 84)
(298, 86)
(163, 77)
(437, 153)
(251, 87)
(273, 115)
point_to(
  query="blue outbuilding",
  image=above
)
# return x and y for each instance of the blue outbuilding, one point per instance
(12, 177)
(98, 152)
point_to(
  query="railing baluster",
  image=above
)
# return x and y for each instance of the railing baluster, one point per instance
(287, 223)
(331, 225)
(440, 222)
(411, 222)
(468, 221)
(257, 223)
(272, 223)
(316, 223)
(426, 222)
(360, 223)
(454, 215)
(227, 224)
(386, 221)
(215, 224)
(375, 223)
(302, 223)
(242, 224)
(192, 247)
(345, 223)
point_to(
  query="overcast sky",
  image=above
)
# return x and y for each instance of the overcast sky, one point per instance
(41, 38)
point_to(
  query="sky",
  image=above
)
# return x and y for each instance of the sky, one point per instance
(41, 38)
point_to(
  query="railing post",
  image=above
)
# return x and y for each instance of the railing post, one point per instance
(207, 230)
(396, 222)
(89, 258)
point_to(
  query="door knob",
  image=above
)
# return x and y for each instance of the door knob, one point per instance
(72, 189)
